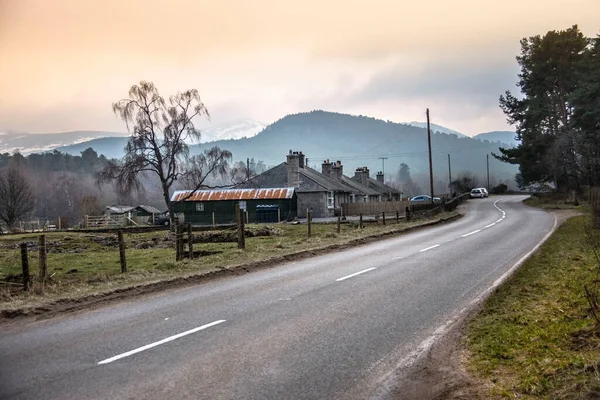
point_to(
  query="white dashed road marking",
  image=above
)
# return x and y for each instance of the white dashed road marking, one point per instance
(471, 233)
(354, 274)
(429, 248)
(166, 340)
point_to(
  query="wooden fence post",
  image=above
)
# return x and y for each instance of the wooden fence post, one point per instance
(122, 251)
(181, 242)
(240, 224)
(309, 220)
(360, 222)
(86, 221)
(59, 224)
(339, 220)
(25, 267)
(177, 244)
(190, 242)
(407, 213)
(383, 217)
(397, 216)
(43, 254)
(213, 218)
(278, 215)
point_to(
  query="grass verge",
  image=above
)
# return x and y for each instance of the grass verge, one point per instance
(550, 203)
(81, 265)
(534, 338)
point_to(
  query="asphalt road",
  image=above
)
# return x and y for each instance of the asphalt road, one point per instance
(329, 327)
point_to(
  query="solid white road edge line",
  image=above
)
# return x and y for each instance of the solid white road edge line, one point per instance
(354, 274)
(471, 233)
(492, 224)
(151, 345)
(500, 220)
(389, 379)
(430, 247)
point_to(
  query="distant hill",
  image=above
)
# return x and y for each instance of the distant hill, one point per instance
(507, 137)
(361, 141)
(27, 143)
(436, 128)
(238, 129)
(110, 147)
(354, 140)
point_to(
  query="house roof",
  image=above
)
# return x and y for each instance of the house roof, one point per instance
(382, 187)
(325, 181)
(119, 209)
(359, 186)
(235, 194)
(148, 209)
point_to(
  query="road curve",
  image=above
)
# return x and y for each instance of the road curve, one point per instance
(328, 327)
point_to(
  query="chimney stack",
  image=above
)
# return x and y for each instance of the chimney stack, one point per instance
(293, 165)
(380, 177)
(337, 170)
(362, 174)
(326, 168)
(301, 160)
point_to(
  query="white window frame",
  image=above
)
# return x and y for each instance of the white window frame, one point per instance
(352, 198)
(199, 207)
(330, 200)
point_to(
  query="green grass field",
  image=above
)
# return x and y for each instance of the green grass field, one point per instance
(80, 264)
(534, 338)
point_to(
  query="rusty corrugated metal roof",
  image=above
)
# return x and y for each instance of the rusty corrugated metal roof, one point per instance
(234, 194)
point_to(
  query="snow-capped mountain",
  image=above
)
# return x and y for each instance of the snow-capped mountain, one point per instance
(232, 130)
(27, 143)
(435, 128)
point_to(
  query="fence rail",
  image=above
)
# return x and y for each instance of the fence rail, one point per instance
(389, 207)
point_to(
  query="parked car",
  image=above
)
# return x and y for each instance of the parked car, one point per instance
(424, 199)
(477, 193)
(161, 219)
(485, 192)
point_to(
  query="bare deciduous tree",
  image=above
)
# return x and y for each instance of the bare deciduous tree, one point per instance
(16, 195)
(160, 131)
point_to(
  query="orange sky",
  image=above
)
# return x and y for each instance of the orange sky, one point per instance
(64, 62)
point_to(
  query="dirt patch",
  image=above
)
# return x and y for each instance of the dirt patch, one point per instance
(439, 374)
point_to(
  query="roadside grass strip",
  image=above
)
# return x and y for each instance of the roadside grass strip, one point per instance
(534, 338)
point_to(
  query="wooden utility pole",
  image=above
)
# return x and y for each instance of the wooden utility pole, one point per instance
(383, 166)
(430, 162)
(449, 175)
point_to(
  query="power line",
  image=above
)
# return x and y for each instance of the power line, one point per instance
(407, 154)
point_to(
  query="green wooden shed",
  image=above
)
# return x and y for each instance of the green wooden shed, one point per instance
(206, 207)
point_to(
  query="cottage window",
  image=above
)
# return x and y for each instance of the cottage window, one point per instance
(366, 199)
(330, 200)
(352, 198)
(379, 199)
(199, 206)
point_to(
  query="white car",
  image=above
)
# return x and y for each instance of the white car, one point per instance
(485, 192)
(477, 193)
